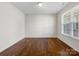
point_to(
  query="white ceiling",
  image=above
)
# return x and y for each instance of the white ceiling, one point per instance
(33, 8)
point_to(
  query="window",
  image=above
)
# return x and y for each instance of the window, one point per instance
(67, 24)
(75, 23)
(70, 23)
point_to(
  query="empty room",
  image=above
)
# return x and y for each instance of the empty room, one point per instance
(39, 28)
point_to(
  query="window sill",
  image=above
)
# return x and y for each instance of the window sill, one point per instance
(70, 36)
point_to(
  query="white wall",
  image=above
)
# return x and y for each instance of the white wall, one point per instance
(11, 25)
(40, 26)
(70, 41)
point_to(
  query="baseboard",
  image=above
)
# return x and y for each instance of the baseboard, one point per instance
(40, 37)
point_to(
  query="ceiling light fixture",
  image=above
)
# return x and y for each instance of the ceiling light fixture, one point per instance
(62, 3)
(40, 4)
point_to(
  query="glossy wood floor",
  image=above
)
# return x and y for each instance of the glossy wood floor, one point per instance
(39, 47)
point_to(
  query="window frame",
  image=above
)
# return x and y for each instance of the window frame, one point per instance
(71, 19)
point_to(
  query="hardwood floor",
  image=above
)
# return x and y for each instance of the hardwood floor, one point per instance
(40, 47)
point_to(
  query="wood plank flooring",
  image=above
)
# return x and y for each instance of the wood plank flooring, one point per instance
(40, 47)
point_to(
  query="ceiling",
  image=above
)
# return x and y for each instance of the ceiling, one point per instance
(33, 8)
